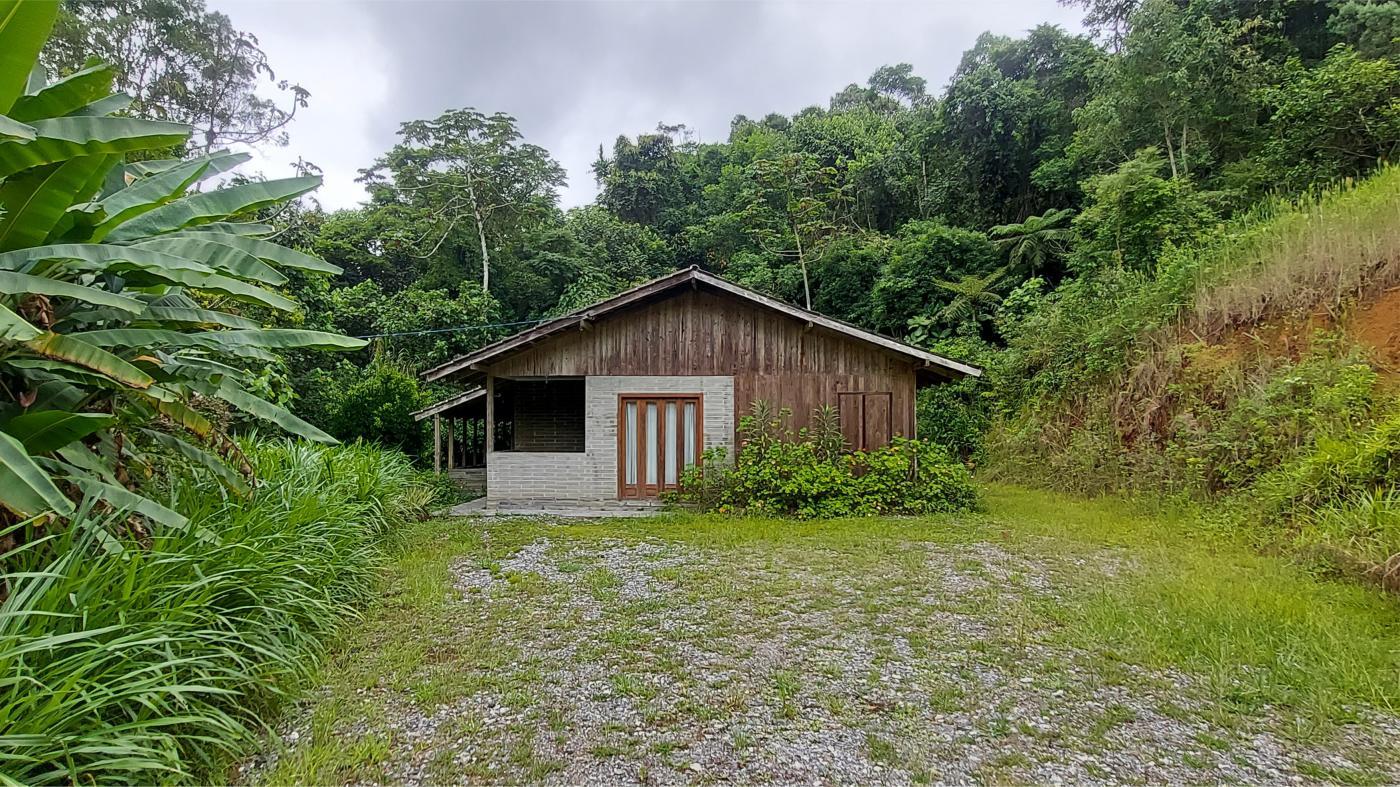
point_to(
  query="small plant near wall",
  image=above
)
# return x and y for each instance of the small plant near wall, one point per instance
(807, 473)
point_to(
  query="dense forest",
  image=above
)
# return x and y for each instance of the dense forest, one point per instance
(944, 216)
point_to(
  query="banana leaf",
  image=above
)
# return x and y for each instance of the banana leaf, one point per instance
(123, 499)
(281, 338)
(209, 206)
(49, 430)
(194, 316)
(201, 458)
(36, 201)
(15, 328)
(67, 95)
(266, 250)
(76, 351)
(23, 284)
(60, 139)
(220, 257)
(24, 486)
(149, 193)
(267, 411)
(13, 129)
(24, 27)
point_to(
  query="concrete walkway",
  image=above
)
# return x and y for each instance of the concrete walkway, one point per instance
(478, 507)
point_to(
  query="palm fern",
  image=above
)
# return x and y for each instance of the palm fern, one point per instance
(974, 297)
(1031, 243)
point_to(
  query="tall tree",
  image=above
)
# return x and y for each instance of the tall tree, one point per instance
(1107, 19)
(466, 169)
(179, 61)
(1186, 83)
(643, 181)
(795, 209)
(1006, 120)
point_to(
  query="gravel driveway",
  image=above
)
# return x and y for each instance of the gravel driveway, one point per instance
(593, 655)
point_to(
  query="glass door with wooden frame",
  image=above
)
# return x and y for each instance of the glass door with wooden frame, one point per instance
(657, 438)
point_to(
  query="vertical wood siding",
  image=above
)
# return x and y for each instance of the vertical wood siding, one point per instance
(698, 332)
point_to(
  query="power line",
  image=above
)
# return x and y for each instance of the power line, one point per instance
(454, 330)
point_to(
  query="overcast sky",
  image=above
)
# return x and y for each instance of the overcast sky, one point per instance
(577, 74)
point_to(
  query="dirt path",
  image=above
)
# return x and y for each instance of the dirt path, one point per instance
(605, 653)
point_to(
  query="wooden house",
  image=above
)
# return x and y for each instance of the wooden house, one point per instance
(612, 402)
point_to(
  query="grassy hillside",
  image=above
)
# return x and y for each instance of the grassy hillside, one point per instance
(1258, 369)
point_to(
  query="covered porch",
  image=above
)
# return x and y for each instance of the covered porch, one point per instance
(459, 437)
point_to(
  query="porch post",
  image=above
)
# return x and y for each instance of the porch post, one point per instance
(451, 439)
(490, 444)
(437, 444)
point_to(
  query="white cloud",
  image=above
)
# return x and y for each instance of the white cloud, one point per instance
(332, 50)
(578, 74)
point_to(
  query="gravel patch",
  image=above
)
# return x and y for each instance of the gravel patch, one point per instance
(655, 662)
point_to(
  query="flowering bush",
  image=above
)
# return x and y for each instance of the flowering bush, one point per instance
(808, 474)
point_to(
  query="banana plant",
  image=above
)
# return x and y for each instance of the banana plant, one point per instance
(129, 291)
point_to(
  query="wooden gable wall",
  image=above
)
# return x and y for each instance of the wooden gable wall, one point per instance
(771, 356)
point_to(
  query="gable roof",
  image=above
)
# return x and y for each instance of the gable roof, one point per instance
(693, 276)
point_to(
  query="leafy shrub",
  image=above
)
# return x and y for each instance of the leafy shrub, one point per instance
(807, 474)
(1229, 431)
(956, 414)
(378, 406)
(1365, 462)
(159, 657)
(1134, 212)
(1332, 121)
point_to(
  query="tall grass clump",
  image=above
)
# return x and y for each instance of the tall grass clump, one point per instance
(160, 657)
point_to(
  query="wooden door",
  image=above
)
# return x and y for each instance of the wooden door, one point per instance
(657, 438)
(866, 419)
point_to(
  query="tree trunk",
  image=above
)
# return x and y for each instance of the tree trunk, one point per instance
(802, 262)
(923, 187)
(480, 235)
(1167, 137)
(1181, 150)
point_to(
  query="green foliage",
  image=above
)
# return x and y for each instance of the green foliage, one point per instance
(926, 252)
(1372, 26)
(1133, 213)
(166, 659)
(1268, 422)
(1031, 244)
(1338, 120)
(123, 296)
(1184, 83)
(615, 248)
(378, 405)
(179, 61)
(1209, 381)
(956, 414)
(806, 474)
(845, 276)
(365, 310)
(1343, 464)
(1004, 123)
(466, 182)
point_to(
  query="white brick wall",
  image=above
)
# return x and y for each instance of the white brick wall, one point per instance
(592, 475)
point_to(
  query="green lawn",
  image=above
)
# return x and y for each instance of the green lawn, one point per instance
(1047, 638)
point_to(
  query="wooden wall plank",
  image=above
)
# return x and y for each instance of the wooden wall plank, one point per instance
(770, 355)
